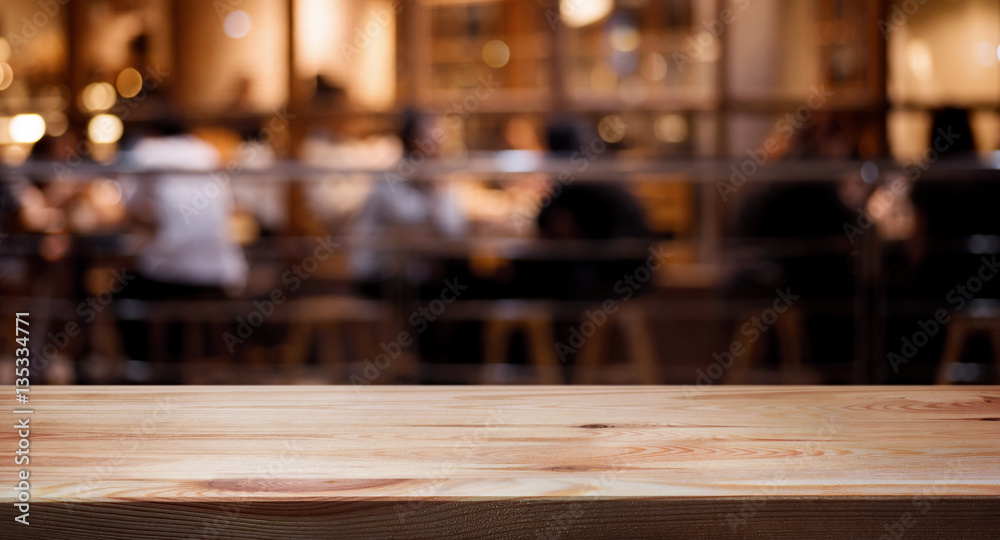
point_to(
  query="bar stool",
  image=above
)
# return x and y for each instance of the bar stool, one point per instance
(535, 320)
(632, 321)
(324, 321)
(197, 320)
(960, 329)
(789, 331)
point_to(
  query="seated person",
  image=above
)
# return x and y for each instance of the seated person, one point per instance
(597, 211)
(191, 255)
(398, 206)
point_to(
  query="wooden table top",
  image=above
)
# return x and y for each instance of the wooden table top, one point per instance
(487, 451)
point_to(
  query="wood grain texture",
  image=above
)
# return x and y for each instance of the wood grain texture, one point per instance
(510, 462)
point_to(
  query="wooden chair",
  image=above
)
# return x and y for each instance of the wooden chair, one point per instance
(960, 329)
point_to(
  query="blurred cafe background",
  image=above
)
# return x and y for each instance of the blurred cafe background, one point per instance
(361, 192)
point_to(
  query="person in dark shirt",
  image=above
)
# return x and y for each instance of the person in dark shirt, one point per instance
(583, 211)
(795, 233)
(951, 211)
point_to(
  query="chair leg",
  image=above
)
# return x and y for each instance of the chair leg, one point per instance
(588, 358)
(157, 343)
(106, 342)
(790, 342)
(995, 341)
(193, 341)
(958, 331)
(406, 365)
(255, 362)
(544, 354)
(216, 342)
(640, 343)
(497, 334)
(331, 344)
(739, 372)
(298, 343)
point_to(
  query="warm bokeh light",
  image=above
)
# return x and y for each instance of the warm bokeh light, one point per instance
(98, 97)
(611, 128)
(577, 13)
(237, 24)
(27, 128)
(105, 129)
(54, 246)
(625, 38)
(13, 155)
(129, 83)
(654, 66)
(602, 76)
(984, 54)
(454, 151)
(496, 53)
(4, 49)
(56, 124)
(320, 26)
(6, 76)
(920, 60)
(710, 52)
(354, 47)
(671, 128)
(107, 192)
(53, 97)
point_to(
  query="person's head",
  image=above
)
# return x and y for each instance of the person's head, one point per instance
(562, 135)
(951, 133)
(328, 93)
(827, 135)
(161, 118)
(168, 126)
(56, 148)
(415, 134)
(138, 48)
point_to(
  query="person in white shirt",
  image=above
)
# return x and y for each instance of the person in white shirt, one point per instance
(403, 207)
(192, 255)
(193, 245)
